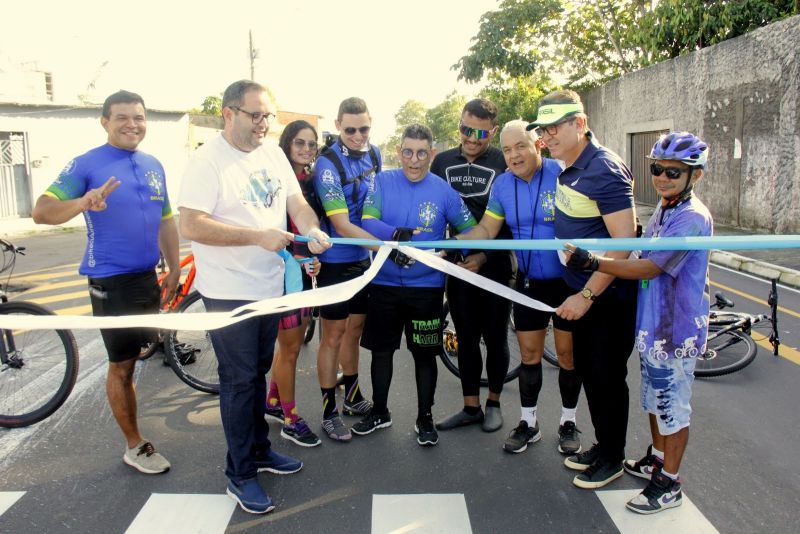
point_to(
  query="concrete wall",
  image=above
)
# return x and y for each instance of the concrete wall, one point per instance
(56, 135)
(742, 97)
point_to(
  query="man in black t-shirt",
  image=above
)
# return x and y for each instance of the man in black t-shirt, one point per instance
(470, 169)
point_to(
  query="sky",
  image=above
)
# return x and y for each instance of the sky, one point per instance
(312, 53)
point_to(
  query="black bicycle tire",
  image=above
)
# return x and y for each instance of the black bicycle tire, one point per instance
(312, 324)
(184, 372)
(148, 350)
(70, 369)
(549, 353)
(450, 361)
(704, 369)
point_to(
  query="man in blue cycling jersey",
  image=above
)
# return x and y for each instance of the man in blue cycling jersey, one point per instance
(342, 176)
(122, 194)
(524, 199)
(236, 193)
(403, 205)
(672, 314)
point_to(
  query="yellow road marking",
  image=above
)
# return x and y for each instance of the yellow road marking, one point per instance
(754, 299)
(59, 298)
(44, 276)
(45, 269)
(56, 285)
(75, 310)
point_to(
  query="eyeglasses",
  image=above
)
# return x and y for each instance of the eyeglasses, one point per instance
(673, 173)
(301, 143)
(257, 116)
(408, 153)
(479, 134)
(551, 129)
(351, 130)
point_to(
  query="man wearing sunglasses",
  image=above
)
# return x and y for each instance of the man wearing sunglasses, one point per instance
(672, 314)
(235, 196)
(342, 198)
(471, 169)
(594, 199)
(408, 204)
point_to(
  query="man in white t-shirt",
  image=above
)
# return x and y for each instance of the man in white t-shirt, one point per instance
(235, 196)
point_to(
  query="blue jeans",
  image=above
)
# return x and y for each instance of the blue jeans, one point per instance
(244, 353)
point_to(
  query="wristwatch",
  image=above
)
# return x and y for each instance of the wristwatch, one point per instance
(587, 294)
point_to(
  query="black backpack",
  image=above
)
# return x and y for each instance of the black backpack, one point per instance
(327, 152)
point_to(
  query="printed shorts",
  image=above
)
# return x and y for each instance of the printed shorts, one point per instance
(667, 390)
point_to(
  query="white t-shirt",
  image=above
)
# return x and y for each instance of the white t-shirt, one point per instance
(246, 189)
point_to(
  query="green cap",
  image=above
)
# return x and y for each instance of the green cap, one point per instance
(553, 113)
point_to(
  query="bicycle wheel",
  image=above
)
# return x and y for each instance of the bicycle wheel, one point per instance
(726, 353)
(550, 347)
(38, 369)
(312, 324)
(449, 354)
(190, 352)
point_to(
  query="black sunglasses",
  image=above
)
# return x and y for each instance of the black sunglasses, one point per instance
(673, 173)
(350, 130)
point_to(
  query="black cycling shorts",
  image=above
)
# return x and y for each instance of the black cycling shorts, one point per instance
(335, 273)
(417, 311)
(552, 292)
(125, 294)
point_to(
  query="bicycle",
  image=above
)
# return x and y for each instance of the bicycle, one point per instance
(38, 368)
(730, 346)
(449, 352)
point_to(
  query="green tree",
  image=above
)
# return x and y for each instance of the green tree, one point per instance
(443, 119)
(412, 111)
(516, 98)
(212, 105)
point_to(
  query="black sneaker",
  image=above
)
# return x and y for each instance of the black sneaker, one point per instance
(599, 474)
(372, 422)
(584, 459)
(517, 441)
(568, 440)
(660, 494)
(300, 434)
(273, 412)
(360, 408)
(645, 467)
(426, 433)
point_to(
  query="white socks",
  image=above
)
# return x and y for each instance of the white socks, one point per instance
(568, 414)
(529, 415)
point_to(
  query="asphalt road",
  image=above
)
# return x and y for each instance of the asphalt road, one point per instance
(66, 475)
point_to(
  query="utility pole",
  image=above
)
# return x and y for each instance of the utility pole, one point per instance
(253, 53)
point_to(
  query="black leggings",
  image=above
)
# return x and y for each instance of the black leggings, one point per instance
(478, 313)
(425, 370)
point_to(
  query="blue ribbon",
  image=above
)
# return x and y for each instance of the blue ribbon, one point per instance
(727, 242)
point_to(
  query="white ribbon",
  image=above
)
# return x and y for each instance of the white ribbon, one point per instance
(304, 299)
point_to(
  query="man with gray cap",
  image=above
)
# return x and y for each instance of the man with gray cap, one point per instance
(594, 199)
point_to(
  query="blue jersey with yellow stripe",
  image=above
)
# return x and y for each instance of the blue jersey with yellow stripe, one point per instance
(123, 238)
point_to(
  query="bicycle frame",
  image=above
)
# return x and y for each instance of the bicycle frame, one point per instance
(184, 287)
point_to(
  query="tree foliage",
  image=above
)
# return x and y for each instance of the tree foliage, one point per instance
(443, 119)
(212, 105)
(516, 98)
(588, 42)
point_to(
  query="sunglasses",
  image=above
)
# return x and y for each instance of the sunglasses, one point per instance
(408, 153)
(257, 116)
(301, 143)
(350, 130)
(673, 173)
(479, 134)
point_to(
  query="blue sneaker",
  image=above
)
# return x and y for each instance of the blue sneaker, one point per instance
(250, 496)
(278, 464)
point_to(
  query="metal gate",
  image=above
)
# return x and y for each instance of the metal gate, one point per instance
(15, 191)
(640, 146)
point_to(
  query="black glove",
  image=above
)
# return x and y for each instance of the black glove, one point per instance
(402, 233)
(583, 260)
(453, 255)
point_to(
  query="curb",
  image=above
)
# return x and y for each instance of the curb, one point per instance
(784, 275)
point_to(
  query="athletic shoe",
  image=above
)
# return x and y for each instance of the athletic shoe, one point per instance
(493, 419)
(144, 458)
(274, 412)
(300, 434)
(568, 440)
(360, 408)
(277, 463)
(251, 496)
(372, 422)
(517, 441)
(599, 474)
(460, 418)
(426, 432)
(660, 494)
(584, 459)
(645, 467)
(335, 428)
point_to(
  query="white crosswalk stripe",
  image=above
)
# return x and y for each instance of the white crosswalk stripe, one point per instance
(685, 518)
(8, 498)
(175, 513)
(425, 513)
